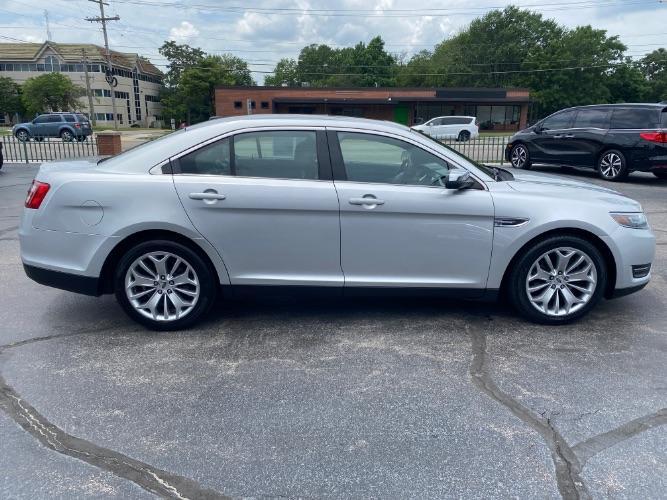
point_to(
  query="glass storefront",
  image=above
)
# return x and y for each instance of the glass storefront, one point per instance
(495, 117)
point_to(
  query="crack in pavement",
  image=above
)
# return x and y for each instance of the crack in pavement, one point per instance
(152, 479)
(594, 445)
(568, 478)
(569, 461)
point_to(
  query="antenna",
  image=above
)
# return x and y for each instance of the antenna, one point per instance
(48, 28)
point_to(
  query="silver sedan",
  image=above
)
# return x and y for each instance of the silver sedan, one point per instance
(345, 205)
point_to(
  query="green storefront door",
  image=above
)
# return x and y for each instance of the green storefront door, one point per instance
(401, 114)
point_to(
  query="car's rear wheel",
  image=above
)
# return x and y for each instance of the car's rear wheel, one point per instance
(612, 165)
(520, 157)
(558, 280)
(660, 174)
(22, 135)
(66, 136)
(81, 138)
(464, 136)
(164, 285)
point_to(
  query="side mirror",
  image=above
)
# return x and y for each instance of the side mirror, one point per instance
(459, 179)
(538, 128)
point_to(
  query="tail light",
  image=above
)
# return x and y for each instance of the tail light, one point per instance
(77, 125)
(36, 194)
(660, 137)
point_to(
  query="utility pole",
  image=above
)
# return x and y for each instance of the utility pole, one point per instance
(103, 20)
(88, 92)
(48, 28)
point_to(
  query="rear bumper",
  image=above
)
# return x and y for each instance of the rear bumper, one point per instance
(85, 285)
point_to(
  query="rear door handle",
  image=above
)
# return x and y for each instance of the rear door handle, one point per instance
(366, 201)
(569, 136)
(206, 195)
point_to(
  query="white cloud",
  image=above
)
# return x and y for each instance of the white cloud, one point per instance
(184, 31)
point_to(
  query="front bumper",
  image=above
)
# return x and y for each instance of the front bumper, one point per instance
(632, 249)
(86, 285)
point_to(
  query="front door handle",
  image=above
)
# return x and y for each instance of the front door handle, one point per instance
(569, 136)
(206, 195)
(366, 200)
(559, 136)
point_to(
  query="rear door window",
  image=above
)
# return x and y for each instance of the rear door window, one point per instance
(635, 118)
(212, 159)
(592, 118)
(279, 155)
(558, 121)
(664, 118)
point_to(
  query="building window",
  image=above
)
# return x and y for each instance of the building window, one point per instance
(265, 104)
(102, 92)
(238, 105)
(51, 64)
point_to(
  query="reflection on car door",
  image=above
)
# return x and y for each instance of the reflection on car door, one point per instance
(399, 226)
(266, 201)
(587, 135)
(40, 126)
(552, 144)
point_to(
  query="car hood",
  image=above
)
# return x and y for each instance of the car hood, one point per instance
(564, 187)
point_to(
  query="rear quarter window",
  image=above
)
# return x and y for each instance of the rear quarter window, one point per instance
(635, 118)
(70, 118)
(663, 116)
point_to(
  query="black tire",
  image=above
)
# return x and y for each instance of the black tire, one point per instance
(464, 136)
(80, 138)
(22, 135)
(66, 135)
(520, 157)
(518, 279)
(612, 165)
(205, 275)
(660, 174)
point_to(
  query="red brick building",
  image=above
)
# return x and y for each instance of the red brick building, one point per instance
(495, 108)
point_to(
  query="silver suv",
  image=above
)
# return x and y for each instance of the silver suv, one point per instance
(342, 204)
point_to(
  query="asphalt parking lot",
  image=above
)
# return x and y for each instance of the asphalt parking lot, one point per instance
(386, 398)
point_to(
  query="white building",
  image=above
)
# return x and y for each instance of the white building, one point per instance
(137, 92)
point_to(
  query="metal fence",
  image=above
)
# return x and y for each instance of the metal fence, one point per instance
(484, 149)
(40, 149)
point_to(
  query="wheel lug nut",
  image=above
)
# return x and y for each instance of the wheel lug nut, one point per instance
(562, 286)
(551, 277)
(159, 292)
(171, 282)
(169, 291)
(162, 276)
(553, 286)
(155, 283)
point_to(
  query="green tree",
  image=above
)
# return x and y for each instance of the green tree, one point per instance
(180, 57)
(626, 83)
(193, 98)
(50, 92)
(364, 65)
(285, 73)
(10, 97)
(654, 68)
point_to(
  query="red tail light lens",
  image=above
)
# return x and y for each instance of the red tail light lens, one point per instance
(660, 137)
(36, 194)
(77, 125)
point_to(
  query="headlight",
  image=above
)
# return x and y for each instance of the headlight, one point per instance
(636, 220)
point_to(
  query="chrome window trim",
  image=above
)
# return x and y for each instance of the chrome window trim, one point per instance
(232, 133)
(418, 144)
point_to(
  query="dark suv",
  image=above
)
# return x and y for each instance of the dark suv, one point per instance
(615, 139)
(67, 126)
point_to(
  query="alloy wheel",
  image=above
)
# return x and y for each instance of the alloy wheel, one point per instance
(162, 286)
(611, 165)
(561, 281)
(66, 136)
(519, 157)
(22, 135)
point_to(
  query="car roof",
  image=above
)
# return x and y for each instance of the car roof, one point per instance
(655, 105)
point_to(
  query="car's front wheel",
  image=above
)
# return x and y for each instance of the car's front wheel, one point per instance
(22, 135)
(558, 280)
(520, 157)
(164, 285)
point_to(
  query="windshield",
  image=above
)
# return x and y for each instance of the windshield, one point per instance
(487, 170)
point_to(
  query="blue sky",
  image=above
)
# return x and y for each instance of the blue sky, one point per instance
(262, 32)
